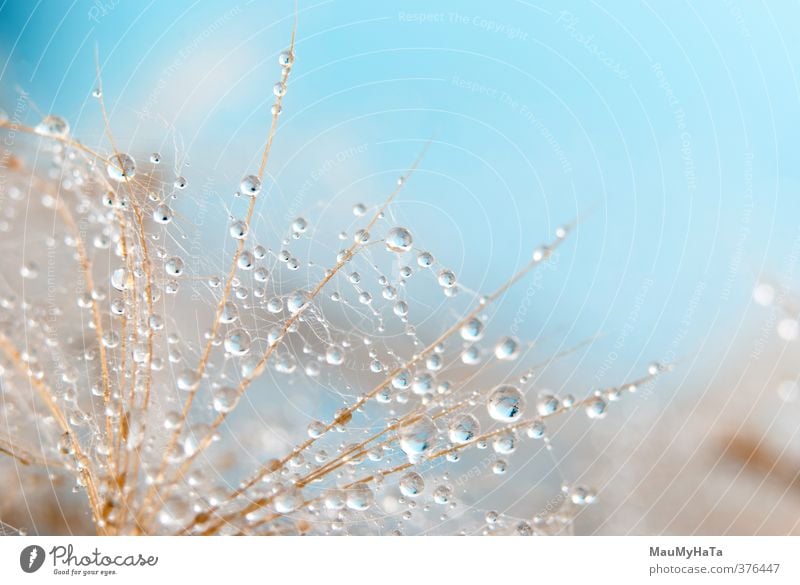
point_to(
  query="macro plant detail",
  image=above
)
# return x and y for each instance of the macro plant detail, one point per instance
(128, 357)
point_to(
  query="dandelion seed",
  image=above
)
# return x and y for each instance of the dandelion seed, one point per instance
(147, 364)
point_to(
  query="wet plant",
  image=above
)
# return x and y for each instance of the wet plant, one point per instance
(175, 395)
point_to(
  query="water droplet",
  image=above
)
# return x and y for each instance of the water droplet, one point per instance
(582, 496)
(334, 499)
(423, 384)
(447, 278)
(315, 429)
(237, 342)
(442, 495)
(110, 339)
(174, 266)
(399, 240)
(359, 497)
(229, 313)
(101, 242)
(536, 430)
(119, 280)
(275, 305)
(334, 355)
(261, 275)
(471, 355)
(547, 404)
(155, 158)
(285, 59)
(425, 260)
(472, 330)
(188, 380)
(299, 225)
(463, 429)
(288, 501)
(162, 214)
(434, 362)
(417, 437)
(764, 294)
(156, 322)
(524, 529)
(246, 260)
(596, 408)
(507, 349)
(504, 444)
(172, 419)
(225, 399)
(297, 300)
(279, 89)
(506, 403)
(121, 167)
(29, 270)
(402, 380)
(55, 126)
(250, 185)
(359, 209)
(412, 484)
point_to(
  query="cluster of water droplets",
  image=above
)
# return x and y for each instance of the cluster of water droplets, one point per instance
(209, 374)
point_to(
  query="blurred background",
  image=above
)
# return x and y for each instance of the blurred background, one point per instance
(668, 130)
